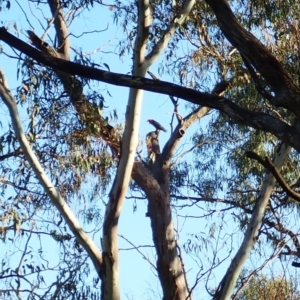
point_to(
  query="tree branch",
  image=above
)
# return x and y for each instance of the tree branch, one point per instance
(174, 24)
(257, 120)
(271, 168)
(62, 206)
(14, 153)
(126, 161)
(227, 285)
(60, 28)
(287, 93)
(186, 122)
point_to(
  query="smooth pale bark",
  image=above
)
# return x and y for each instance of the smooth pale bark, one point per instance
(110, 282)
(110, 274)
(228, 283)
(83, 239)
(141, 63)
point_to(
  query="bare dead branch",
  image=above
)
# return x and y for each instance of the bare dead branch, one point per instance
(88, 32)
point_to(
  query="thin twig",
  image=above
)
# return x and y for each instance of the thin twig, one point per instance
(137, 249)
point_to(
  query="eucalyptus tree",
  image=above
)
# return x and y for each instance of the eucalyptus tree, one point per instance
(70, 141)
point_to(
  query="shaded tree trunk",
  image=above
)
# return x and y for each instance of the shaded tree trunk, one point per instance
(169, 265)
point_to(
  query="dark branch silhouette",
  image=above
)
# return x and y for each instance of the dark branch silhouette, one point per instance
(266, 162)
(257, 120)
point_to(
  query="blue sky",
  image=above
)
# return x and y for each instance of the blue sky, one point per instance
(137, 279)
(134, 226)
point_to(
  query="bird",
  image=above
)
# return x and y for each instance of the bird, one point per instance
(152, 144)
(157, 125)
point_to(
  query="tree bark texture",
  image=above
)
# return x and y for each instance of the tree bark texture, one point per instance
(169, 266)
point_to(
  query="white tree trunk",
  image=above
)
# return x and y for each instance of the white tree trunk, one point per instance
(228, 283)
(83, 239)
(141, 63)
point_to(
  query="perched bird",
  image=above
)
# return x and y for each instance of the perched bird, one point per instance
(152, 144)
(157, 125)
